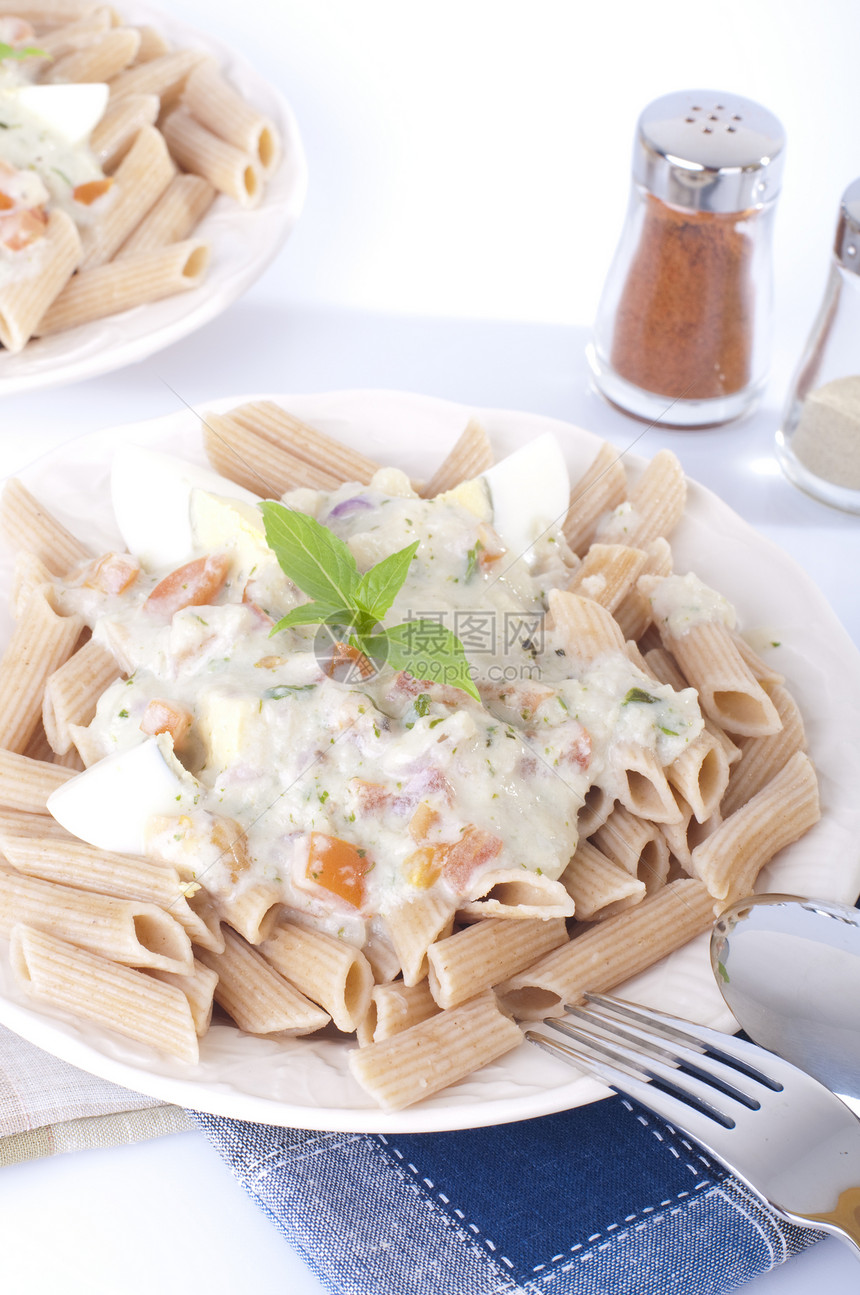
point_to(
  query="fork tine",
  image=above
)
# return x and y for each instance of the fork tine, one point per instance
(679, 1114)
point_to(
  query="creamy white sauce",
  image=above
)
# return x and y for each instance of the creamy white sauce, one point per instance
(680, 602)
(284, 750)
(48, 168)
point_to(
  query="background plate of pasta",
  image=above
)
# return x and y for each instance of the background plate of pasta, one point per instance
(148, 175)
(283, 878)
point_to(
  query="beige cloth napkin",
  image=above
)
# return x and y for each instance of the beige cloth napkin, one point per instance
(48, 1106)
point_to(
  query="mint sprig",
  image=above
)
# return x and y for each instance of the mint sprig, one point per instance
(323, 567)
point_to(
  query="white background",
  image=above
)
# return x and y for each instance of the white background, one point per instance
(469, 167)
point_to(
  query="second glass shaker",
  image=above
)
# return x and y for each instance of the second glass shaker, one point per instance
(683, 329)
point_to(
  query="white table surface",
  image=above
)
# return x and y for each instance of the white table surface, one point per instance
(448, 248)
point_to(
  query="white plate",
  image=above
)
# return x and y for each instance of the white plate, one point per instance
(242, 242)
(305, 1082)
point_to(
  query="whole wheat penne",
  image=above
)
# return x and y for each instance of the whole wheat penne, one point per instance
(214, 103)
(599, 490)
(140, 180)
(46, 13)
(72, 691)
(62, 859)
(515, 894)
(253, 911)
(153, 44)
(26, 784)
(585, 630)
(761, 758)
(434, 1053)
(654, 505)
(127, 1001)
(198, 986)
(412, 927)
(470, 455)
(729, 861)
(610, 952)
(27, 525)
(633, 613)
(104, 58)
(683, 837)
(636, 845)
(258, 999)
(41, 641)
(701, 774)
(279, 427)
(607, 573)
(394, 1007)
(641, 783)
(599, 801)
(174, 216)
(327, 970)
(228, 169)
(257, 464)
(124, 284)
(114, 135)
(598, 885)
(75, 34)
(164, 76)
(30, 572)
(24, 299)
(127, 931)
(728, 691)
(764, 672)
(479, 956)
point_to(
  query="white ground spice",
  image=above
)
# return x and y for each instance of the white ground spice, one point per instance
(827, 439)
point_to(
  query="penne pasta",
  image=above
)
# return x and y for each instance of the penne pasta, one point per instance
(114, 135)
(327, 970)
(478, 957)
(140, 180)
(174, 216)
(600, 490)
(394, 1007)
(100, 60)
(413, 927)
(435, 1053)
(24, 300)
(27, 525)
(636, 845)
(257, 998)
(598, 886)
(469, 457)
(130, 1002)
(26, 784)
(196, 149)
(124, 284)
(213, 102)
(41, 641)
(72, 691)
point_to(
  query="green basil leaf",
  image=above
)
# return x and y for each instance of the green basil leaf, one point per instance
(311, 555)
(312, 614)
(379, 586)
(638, 694)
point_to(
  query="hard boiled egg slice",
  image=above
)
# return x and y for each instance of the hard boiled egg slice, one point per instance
(70, 111)
(110, 804)
(151, 493)
(529, 492)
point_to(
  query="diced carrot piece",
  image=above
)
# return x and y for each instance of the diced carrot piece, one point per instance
(475, 849)
(6, 203)
(422, 820)
(113, 573)
(167, 717)
(18, 229)
(424, 866)
(337, 866)
(194, 585)
(343, 654)
(90, 190)
(371, 796)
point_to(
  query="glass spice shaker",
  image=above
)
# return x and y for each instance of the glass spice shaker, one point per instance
(818, 444)
(682, 334)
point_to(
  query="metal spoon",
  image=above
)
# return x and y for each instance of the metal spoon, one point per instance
(789, 970)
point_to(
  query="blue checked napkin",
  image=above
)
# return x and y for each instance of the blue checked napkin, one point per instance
(601, 1200)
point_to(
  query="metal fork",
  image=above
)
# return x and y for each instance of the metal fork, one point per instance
(791, 1140)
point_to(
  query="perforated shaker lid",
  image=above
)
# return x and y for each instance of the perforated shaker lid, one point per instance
(709, 151)
(847, 243)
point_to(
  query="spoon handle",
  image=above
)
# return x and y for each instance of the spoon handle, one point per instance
(843, 1220)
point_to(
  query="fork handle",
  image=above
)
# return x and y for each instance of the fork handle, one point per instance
(844, 1218)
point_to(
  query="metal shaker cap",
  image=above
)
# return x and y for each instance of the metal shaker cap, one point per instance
(847, 243)
(709, 151)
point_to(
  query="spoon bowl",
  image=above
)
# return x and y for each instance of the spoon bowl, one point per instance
(789, 970)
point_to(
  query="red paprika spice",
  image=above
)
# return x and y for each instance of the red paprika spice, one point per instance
(682, 332)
